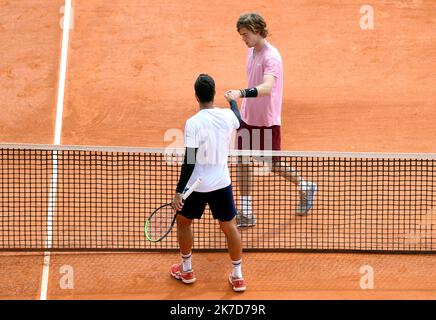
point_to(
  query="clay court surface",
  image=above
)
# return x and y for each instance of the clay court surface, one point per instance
(131, 68)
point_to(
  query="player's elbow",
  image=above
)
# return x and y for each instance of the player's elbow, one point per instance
(266, 90)
(268, 84)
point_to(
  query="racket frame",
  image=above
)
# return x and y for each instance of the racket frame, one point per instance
(185, 195)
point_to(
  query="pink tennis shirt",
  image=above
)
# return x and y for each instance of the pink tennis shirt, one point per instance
(264, 111)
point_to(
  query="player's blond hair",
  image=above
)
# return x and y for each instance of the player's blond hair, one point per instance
(254, 22)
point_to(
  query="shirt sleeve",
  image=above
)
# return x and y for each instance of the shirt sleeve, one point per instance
(191, 139)
(272, 67)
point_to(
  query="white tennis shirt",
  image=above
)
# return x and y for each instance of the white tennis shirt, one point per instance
(210, 130)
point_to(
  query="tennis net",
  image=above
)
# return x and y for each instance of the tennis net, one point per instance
(76, 198)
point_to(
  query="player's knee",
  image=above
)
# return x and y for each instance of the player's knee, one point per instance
(224, 227)
(227, 226)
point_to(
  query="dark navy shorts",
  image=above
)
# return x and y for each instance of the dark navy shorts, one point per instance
(220, 201)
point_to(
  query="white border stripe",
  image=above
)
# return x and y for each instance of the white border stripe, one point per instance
(52, 200)
(63, 72)
(57, 141)
(254, 153)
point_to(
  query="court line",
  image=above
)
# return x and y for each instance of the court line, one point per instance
(57, 141)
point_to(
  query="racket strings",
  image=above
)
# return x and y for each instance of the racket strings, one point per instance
(160, 222)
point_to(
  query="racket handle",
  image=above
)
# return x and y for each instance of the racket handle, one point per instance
(191, 189)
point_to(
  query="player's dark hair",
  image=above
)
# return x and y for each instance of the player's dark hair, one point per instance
(254, 22)
(205, 88)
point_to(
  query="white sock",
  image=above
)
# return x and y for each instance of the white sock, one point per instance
(186, 265)
(246, 207)
(237, 269)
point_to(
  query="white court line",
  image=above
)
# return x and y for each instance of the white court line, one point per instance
(57, 141)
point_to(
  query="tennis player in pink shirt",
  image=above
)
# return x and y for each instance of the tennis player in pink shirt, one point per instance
(261, 113)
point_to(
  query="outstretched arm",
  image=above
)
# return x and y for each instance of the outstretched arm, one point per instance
(233, 106)
(264, 89)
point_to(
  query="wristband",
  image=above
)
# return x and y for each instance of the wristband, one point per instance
(249, 93)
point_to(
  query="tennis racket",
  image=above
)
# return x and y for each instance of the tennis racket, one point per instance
(161, 221)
